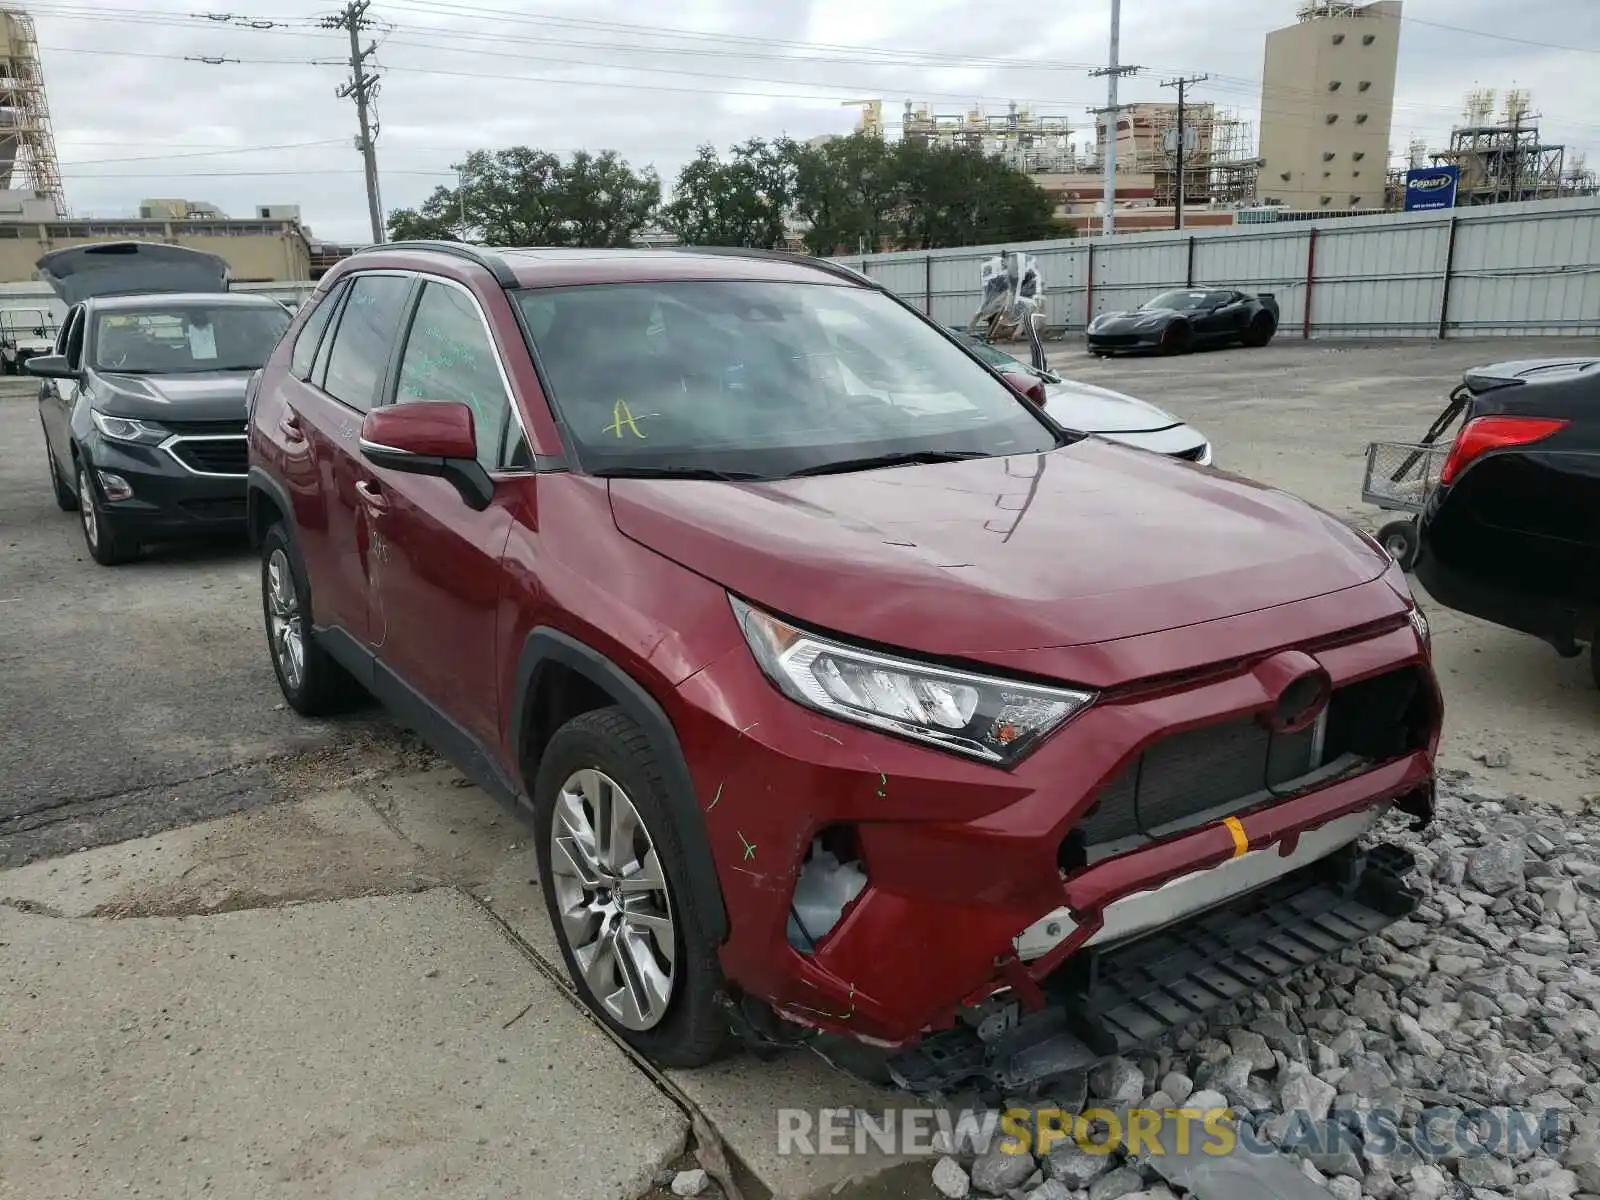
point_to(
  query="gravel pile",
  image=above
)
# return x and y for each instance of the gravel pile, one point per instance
(1481, 1013)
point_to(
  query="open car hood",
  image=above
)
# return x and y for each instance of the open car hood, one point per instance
(79, 273)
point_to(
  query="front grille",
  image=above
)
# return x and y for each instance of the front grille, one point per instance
(1115, 339)
(234, 428)
(221, 456)
(1207, 773)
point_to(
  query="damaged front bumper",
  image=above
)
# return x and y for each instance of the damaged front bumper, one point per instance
(1115, 997)
(953, 889)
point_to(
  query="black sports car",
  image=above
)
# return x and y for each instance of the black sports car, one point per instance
(143, 399)
(1512, 531)
(1176, 322)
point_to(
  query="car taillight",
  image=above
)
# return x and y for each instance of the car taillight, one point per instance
(1483, 434)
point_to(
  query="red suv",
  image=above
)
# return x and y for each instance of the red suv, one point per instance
(852, 696)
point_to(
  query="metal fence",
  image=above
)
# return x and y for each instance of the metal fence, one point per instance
(1502, 270)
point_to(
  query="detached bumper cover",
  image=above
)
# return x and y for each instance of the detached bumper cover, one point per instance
(1116, 999)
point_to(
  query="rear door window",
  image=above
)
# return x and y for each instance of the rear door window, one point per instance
(364, 338)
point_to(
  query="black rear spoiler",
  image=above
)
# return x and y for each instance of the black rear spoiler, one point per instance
(1269, 301)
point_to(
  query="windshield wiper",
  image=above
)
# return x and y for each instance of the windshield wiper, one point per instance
(674, 473)
(902, 458)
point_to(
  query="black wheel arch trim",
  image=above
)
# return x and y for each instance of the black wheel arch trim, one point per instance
(258, 481)
(545, 646)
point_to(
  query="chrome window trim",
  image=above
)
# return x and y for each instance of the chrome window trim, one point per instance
(499, 364)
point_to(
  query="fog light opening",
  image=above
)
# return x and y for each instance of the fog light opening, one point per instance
(831, 877)
(114, 486)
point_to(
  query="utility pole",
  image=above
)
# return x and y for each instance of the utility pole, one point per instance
(1181, 84)
(1113, 71)
(363, 87)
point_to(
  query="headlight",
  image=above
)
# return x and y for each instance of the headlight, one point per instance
(1419, 623)
(126, 429)
(995, 720)
(1205, 456)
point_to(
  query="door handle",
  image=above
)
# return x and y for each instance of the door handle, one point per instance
(372, 494)
(289, 426)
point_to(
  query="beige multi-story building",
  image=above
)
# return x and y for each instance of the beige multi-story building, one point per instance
(1327, 104)
(260, 249)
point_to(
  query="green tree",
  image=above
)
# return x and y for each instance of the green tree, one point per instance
(744, 201)
(960, 196)
(849, 190)
(525, 197)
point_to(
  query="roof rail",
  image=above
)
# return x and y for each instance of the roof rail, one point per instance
(485, 258)
(821, 264)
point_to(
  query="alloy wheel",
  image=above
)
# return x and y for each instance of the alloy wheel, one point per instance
(283, 621)
(91, 524)
(612, 899)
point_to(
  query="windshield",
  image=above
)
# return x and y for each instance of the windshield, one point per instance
(762, 378)
(1181, 301)
(188, 338)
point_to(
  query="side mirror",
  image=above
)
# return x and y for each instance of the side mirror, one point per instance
(429, 437)
(1029, 387)
(50, 366)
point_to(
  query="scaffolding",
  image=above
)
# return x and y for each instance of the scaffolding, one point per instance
(1219, 165)
(1023, 139)
(1502, 159)
(28, 159)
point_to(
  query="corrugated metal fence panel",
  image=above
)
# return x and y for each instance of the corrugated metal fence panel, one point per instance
(1383, 282)
(1518, 269)
(1531, 273)
(1127, 272)
(1271, 261)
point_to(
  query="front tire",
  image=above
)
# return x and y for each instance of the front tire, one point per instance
(313, 684)
(612, 865)
(108, 546)
(1177, 339)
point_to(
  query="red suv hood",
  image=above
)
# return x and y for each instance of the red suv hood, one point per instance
(1084, 544)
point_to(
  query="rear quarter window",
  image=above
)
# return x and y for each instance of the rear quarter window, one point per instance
(310, 335)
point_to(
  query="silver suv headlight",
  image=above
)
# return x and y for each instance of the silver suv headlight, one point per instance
(996, 720)
(126, 429)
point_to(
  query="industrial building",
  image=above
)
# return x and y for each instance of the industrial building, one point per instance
(1327, 105)
(1502, 158)
(258, 249)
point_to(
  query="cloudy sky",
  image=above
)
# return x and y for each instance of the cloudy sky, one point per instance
(134, 117)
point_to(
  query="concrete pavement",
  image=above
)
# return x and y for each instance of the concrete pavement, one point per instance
(272, 1035)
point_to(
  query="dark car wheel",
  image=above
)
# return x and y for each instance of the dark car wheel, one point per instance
(1399, 538)
(108, 545)
(66, 498)
(311, 681)
(1177, 339)
(1260, 332)
(612, 865)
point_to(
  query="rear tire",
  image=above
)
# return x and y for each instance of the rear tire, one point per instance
(1260, 332)
(312, 682)
(664, 1007)
(108, 546)
(1399, 538)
